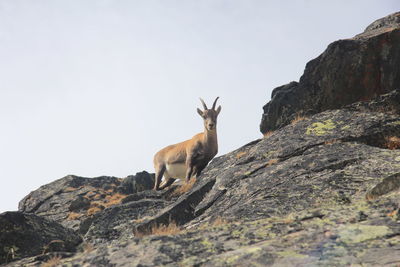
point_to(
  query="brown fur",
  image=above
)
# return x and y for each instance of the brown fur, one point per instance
(194, 153)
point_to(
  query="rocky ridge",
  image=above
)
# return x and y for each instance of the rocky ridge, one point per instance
(349, 70)
(321, 190)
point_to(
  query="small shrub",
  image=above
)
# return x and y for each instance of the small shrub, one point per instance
(160, 229)
(87, 247)
(297, 119)
(240, 154)
(70, 189)
(52, 262)
(114, 199)
(185, 187)
(170, 229)
(140, 220)
(93, 210)
(392, 142)
(73, 216)
(219, 221)
(268, 134)
(272, 162)
(332, 141)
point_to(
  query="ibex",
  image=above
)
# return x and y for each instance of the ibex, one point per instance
(188, 158)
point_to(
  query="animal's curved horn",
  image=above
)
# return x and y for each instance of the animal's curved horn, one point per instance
(215, 102)
(204, 104)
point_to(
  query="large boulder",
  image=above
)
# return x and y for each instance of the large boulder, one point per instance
(74, 200)
(23, 235)
(349, 70)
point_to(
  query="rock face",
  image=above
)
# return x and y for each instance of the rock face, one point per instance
(350, 70)
(321, 191)
(73, 200)
(23, 235)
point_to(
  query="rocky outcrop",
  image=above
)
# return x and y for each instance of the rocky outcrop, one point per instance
(350, 70)
(73, 200)
(23, 235)
(320, 192)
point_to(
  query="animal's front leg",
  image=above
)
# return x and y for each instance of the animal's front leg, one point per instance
(189, 169)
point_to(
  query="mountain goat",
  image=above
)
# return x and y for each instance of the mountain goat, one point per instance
(186, 159)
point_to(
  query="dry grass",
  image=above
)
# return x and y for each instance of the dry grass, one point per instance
(107, 201)
(393, 213)
(392, 142)
(170, 229)
(240, 154)
(52, 262)
(73, 216)
(87, 247)
(93, 210)
(272, 162)
(219, 221)
(47, 247)
(297, 119)
(113, 199)
(70, 189)
(185, 187)
(140, 220)
(332, 141)
(268, 134)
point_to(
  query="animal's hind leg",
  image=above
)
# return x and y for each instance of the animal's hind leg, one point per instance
(167, 183)
(159, 174)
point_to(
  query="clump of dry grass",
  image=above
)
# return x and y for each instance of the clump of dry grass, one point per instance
(160, 229)
(185, 187)
(240, 154)
(107, 201)
(268, 134)
(73, 216)
(114, 199)
(52, 262)
(93, 210)
(392, 142)
(219, 221)
(272, 162)
(332, 141)
(87, 247)
(297, 119)
(70, 189)
(170, 229)
(140, 220)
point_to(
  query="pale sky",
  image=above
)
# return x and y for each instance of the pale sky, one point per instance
(97, 87)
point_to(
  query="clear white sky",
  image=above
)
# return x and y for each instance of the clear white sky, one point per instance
(97, 87)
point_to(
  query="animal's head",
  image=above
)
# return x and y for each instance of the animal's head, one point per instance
(209, 115)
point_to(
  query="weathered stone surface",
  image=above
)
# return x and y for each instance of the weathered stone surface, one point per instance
(321, 192)
(348, 71)
(23, 235)
(72, 200)
(115, 223)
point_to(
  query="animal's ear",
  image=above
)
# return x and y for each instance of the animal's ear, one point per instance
(218, 110)
(200, 112)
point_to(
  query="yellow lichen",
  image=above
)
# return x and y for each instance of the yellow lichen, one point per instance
(291, 254)
(321, 128)
(357, 233)
(208, 245)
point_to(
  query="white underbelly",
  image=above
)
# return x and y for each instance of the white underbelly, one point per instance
(177, 171)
